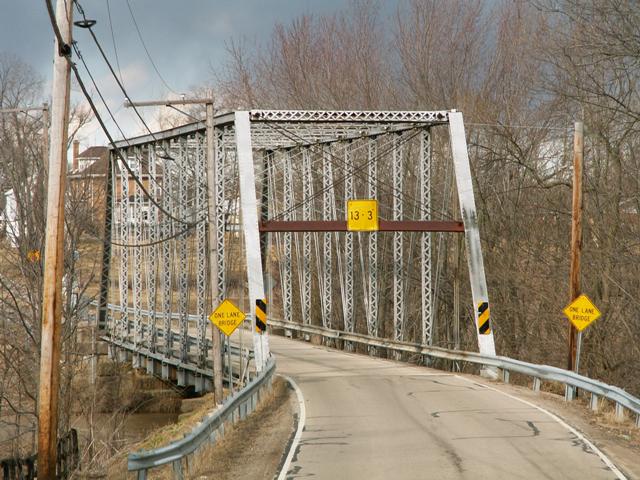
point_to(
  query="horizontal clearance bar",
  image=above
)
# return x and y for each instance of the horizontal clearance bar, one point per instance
(341, 226)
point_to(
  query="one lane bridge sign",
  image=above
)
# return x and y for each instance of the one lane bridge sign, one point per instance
(227, 317)
(582, 312)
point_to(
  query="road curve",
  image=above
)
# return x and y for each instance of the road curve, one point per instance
(377, 419)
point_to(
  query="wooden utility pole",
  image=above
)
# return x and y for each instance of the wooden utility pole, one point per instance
(54, 250)
(576, 239)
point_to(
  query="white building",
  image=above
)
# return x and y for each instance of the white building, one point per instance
(9, 218)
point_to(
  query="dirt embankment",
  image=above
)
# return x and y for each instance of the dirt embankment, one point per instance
(256, 447)
(252, 449)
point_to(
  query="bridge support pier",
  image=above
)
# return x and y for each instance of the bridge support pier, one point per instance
(136, 361)
(199, 384)
(181, 376)
(152, 367)
(123, 356)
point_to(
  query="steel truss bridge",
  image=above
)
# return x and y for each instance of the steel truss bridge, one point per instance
(250, 206)
(262, 196)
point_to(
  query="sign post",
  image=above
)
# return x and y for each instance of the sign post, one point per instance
(576, 240)
(227, 317)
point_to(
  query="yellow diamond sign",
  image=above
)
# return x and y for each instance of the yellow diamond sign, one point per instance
(581, 312)
(227, 317)
(362, 215)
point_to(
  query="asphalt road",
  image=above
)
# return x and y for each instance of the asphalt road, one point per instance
(377, 419)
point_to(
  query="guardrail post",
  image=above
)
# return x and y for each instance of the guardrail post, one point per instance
(569, 393)
(142, 474)
(593, 404)
(505, 376)
(536, 384)
(178, 474)
(638, 420)
(619, 412)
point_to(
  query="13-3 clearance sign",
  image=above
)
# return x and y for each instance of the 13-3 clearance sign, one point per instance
(362, 215)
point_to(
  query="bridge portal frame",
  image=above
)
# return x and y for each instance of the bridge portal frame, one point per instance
(466, 199)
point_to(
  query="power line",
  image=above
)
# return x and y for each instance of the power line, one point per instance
(157, 242)
(117, 150)
(166, 154)
(135, 23)
(113, 73)
(88, 26)
(65, 50)
(79, 55)
(113, 38)
(185, 113)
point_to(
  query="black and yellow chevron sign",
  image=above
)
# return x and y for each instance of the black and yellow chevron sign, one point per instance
(261, 315)
(484, 327)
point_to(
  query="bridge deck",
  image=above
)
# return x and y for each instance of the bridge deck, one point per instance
(372, 418)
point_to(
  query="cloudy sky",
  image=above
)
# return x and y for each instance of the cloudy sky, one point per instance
(185, 38)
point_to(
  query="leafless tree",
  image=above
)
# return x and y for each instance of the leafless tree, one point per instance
(22, 167)
(521, 72)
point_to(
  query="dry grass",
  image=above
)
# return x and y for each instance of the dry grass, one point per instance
(274, 408)
(162, 436)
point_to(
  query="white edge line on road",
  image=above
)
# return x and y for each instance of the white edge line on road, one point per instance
(595, 449)
(302, 416)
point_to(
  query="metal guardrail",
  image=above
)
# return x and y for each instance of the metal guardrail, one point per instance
(176, 338)
(539, 373)
(234, 408)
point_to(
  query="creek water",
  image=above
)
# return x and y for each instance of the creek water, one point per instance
(122, 429)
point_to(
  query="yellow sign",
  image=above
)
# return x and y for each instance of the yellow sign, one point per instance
(362, 215)
(33, 256)
(227, 317)
(581, 312)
